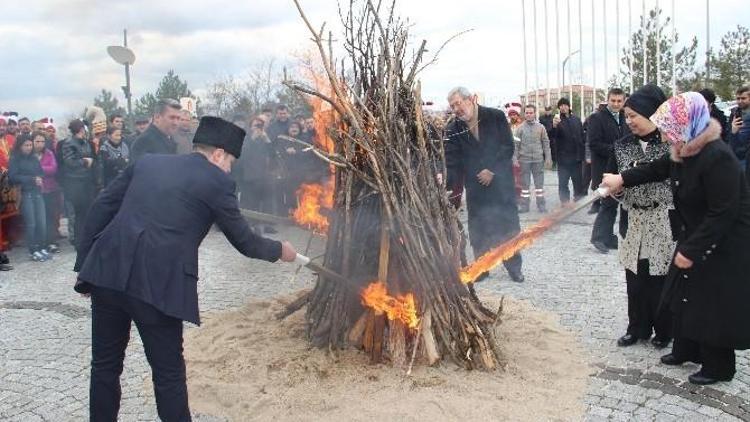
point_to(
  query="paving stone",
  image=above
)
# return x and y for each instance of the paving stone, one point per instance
(45, 328)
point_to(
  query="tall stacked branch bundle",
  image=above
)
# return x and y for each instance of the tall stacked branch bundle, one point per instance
(391, 219)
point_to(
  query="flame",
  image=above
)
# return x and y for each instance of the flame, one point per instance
(401, 308)
(505, 251)
(313, 198)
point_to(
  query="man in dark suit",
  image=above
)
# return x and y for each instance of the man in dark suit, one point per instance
(158, 138)
(138, 259)
(604, 128)
(479, 151)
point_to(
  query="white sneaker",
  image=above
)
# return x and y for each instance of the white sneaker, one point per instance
(38, 257)
(46, 254)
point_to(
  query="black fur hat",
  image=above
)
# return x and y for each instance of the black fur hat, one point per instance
(220, 133)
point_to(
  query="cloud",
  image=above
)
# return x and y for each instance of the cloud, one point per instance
(55, 59)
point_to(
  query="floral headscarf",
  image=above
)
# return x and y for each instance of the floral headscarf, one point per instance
(682, 118)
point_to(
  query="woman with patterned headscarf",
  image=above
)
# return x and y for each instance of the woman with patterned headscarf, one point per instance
(707, 287)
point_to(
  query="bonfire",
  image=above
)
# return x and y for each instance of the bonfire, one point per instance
(391, 232)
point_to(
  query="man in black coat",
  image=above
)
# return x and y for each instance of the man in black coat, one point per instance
(605, 127)
(479, 148)
(546, 120)
(158, 138)
(138, 258)
(568, 133)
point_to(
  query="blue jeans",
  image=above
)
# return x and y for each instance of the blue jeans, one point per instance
(35, 220)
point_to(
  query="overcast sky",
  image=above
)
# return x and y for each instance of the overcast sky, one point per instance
(55, 58)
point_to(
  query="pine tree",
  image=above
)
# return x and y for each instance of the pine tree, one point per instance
(633, 55)
(731, 64)
(108, 102)
(171, 86)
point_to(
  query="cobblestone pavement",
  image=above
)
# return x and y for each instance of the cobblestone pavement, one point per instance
(45, 344)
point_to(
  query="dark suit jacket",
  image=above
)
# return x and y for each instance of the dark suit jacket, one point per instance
(152, 141)
(602, 132)
(142, 233)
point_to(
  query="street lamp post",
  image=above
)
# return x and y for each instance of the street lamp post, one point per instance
(124, 56)
(565, 61)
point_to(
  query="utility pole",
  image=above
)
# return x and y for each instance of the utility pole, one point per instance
(126, 88)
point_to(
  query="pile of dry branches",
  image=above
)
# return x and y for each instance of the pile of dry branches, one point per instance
(391, 220)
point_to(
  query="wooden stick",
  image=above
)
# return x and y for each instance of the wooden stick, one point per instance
(430, 347)
(307, 250)
(294, 306)
(417, 339)
(358, 330)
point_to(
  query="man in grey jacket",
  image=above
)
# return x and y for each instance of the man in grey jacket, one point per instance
(533, 154)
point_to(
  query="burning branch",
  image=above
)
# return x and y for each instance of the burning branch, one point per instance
(523, 240)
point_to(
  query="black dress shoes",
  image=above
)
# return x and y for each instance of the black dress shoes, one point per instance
(485, 275)
(673, 360)
(627, 340)
(699, 379)
(517, 276)
(600, 246)
(660, 342)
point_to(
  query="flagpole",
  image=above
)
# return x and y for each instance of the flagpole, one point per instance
(570, 49)
(606, 55)
(658, 44)
(630, 44)
(557, 48)
(595, 94)
(645, 44)
(546, 51)
(580, 56)
(674, 59)
(708, 44)
(536, 59)
(525, 62)
(617, 38)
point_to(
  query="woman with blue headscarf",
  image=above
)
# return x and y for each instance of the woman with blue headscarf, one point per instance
(708, 286)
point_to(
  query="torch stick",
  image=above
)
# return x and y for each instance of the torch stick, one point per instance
(307, 249)
(598, 194)
(304, 261)
(504, 251)
(266, 218)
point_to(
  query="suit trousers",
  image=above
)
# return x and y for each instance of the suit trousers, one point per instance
(111, 315)
(604, 224)
(569, 171)
(717, 362)
(644, 292)
(81, 195)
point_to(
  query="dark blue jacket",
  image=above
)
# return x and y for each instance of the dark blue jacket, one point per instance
(22, 170)
(142, 233)
(152, 141)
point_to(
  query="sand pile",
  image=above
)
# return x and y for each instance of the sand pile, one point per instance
(246, 365)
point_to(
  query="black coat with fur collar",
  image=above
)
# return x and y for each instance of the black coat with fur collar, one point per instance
(710, 300)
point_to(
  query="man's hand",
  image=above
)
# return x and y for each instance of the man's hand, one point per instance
(439, 178)
(588, 161)
(548, 164)
(291, 151)
(736, 125)
(288, 253)
(681, 262)
(87, 161)
(555, 121)
(485, 177)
